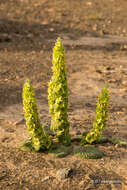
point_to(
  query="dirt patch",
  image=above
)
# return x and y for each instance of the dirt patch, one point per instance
(95, 39)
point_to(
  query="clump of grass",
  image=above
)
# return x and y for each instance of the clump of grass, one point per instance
(39, 138)
(87, 152)
(58, 95)
(118, 141)
(100, 121)
(60, 151)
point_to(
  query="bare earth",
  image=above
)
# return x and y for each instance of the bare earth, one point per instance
(94, 34)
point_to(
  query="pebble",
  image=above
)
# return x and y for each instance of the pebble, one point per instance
(94, 27)
(45, 178)
(89, 3)
(5, 139)
(64, 173)
(118, 146)
(78, 132)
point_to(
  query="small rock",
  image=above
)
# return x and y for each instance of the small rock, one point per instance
(64, 173)
(94, 27)
(78, 132)
(45, 178)
(109, 21)
(51, 29)
(118, 146)
(29, 35)
(123, 47)
(5, 139)
(89, 3)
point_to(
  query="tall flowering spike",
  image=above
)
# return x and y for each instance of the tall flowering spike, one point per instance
(58, 95)
(100, 121)
(39, 138)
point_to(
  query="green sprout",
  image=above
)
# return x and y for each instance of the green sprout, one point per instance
(58, 95)
(100, 121)
(39, 138)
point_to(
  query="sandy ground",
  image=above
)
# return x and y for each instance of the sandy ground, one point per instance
(95, 40)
